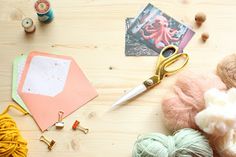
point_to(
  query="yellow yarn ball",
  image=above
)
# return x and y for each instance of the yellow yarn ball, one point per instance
(12, 144)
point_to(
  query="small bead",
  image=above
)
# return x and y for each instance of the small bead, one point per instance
(205, 36)
(200, 18)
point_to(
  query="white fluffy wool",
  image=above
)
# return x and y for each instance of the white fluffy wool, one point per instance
(218, 120)
(219, 116)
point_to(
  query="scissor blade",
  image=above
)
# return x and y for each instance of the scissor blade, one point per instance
(131, 94)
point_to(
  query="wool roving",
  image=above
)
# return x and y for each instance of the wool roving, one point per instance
(226, 70)
(218, 120)
(219, 116)
(187, 99)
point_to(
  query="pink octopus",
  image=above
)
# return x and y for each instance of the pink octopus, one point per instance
(159, 32)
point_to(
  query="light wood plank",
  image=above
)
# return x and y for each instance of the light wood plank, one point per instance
(92, 32)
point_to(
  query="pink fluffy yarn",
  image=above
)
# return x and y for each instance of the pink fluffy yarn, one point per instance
(187, 99)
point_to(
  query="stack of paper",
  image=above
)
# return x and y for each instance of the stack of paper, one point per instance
(44, 84)
(152, 30)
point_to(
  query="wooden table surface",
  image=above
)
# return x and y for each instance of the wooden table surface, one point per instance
(92, 32)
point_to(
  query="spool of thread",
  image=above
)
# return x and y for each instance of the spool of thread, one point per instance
(44, 11)
(187, 99)
(226, 70)
(28, 25)
(12, 144)
(185, 142)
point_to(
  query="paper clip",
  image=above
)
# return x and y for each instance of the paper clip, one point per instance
(60, 123)
(76, 125)
(49, 143)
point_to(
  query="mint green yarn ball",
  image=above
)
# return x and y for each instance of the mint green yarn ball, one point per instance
(184, 143)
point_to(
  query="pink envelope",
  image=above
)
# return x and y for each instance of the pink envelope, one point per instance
(52, 83)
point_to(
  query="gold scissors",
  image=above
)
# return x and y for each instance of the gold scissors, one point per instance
(167, 57)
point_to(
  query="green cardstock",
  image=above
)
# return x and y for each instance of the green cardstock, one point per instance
(18, 67)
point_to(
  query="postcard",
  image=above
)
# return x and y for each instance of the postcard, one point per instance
(156, 29)
(133, 47)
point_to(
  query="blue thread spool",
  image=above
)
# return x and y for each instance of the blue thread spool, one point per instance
(44, 11)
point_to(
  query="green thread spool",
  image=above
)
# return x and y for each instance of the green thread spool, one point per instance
(184, 143)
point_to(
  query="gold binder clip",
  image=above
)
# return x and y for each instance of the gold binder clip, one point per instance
(76, 125)
(60, 123)
(49, 143)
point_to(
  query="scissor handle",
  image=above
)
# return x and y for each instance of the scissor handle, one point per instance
(165, 53)
(164, 71)
(168, 51)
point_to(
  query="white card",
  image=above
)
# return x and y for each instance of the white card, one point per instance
(46, 76)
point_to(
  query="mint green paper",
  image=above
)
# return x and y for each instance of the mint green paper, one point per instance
(18, 67)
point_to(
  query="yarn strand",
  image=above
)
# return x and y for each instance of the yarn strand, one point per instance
(184, 143)
(12, 144)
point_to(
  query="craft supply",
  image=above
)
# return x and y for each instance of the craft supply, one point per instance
(204, 36)
(155, 29)
(225, 145)
(44, 11)
(133, 46)
(167, 57)
(186, 142)
(28, 25)
(226, 70)
(48, 142)
(12, 144)
(218, 120)
(200, 18)
(187, 99)
(60, 123)
(77, 125)
(18, 67)
(219, 116)
(52, 83)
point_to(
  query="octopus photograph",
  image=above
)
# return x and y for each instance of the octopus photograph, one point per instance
(156, 30)
(133, 47)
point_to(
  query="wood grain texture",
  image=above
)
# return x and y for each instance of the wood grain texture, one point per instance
(92, 32)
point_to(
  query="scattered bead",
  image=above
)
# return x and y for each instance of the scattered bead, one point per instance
(205, 36)
(200, 18)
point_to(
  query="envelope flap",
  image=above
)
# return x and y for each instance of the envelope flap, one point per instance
(45, 103)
